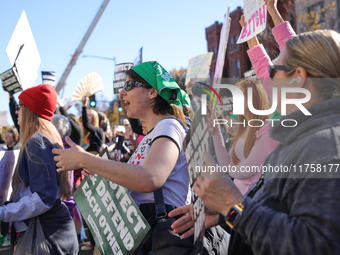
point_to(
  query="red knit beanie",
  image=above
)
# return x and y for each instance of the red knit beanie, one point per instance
(41, 99)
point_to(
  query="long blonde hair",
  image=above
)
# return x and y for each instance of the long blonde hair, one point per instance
(260, 102)
(178, 114)
(95, 123)
(301, 52)
(35, 124)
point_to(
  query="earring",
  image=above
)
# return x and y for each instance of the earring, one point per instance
(296, 79)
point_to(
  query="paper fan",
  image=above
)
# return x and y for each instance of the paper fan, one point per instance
(88, 86)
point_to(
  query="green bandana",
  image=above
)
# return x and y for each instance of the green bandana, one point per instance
(160, 80)
(185, 99)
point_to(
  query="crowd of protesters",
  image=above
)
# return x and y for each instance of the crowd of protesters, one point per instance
(293, 212)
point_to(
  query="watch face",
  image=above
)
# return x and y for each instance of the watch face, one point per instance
(234, 215)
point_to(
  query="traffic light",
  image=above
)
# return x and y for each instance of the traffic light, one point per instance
(93, 101)
(111, 107)
(120, 108)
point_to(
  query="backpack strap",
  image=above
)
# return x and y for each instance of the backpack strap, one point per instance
(159, 204)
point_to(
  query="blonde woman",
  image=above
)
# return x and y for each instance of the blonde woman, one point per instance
(291, 212)
(37, 187)
(92, 135)
(251, 145)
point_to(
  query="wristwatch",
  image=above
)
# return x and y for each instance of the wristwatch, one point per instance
(234, 215)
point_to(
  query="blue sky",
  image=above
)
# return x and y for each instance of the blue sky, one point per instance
(170, 32)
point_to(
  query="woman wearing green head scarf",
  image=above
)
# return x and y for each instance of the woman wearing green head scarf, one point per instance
(158, 165)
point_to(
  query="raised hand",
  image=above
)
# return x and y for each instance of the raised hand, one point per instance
(271, 4)
(242, 20)
(85, 100)
(272, 10)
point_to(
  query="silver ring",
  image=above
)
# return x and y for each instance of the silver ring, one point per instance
(58, 169)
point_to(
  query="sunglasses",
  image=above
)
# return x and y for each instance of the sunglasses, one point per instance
(17, 106)
(272, 69)
(130, 84)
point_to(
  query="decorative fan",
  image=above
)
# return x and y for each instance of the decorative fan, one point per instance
(88, 86)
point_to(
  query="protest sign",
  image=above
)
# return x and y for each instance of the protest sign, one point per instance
(222, 48)
(8, 161)
(66, 101)
(139, 58)
(48, 77)
(115, 221)
(3, 118)
(255, 14)
(23, 55)
(196, 143)
(199, 67)
(120, 76)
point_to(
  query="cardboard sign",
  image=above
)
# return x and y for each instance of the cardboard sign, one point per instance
(255, 14)
(197, 141)
(199, 67)
(120, 76)
(23, 53)
(3, 118)
(10, 80)
(8, 161)
(222, 48)
(115, 221)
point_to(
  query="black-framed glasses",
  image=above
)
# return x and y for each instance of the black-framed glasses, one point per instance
(272, 69)
(130, 84)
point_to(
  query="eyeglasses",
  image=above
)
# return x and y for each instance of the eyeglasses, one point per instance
(272, 69)
(17, 106)
(130, 84)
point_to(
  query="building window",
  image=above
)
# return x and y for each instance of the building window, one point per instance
(236, 39)
(231, 43)
(238, 68)
(233, 68)
(316, 13)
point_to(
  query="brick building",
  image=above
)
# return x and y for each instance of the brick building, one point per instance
(236, 60)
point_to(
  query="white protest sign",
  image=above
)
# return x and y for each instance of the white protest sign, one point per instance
(23, 52)
(3, 118)
(199, 67)
(66, 101)
(8, 161)
(222, 47)
(255, 14)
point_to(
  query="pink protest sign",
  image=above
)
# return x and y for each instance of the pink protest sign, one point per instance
(255, 14)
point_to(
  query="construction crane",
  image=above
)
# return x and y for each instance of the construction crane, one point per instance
(62, 81)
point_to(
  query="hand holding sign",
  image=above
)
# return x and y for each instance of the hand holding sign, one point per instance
(217, 192)
(255, 13)
(271, 5)
(186, 222)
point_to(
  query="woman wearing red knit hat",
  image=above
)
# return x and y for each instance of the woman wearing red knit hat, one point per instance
(37, 187)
